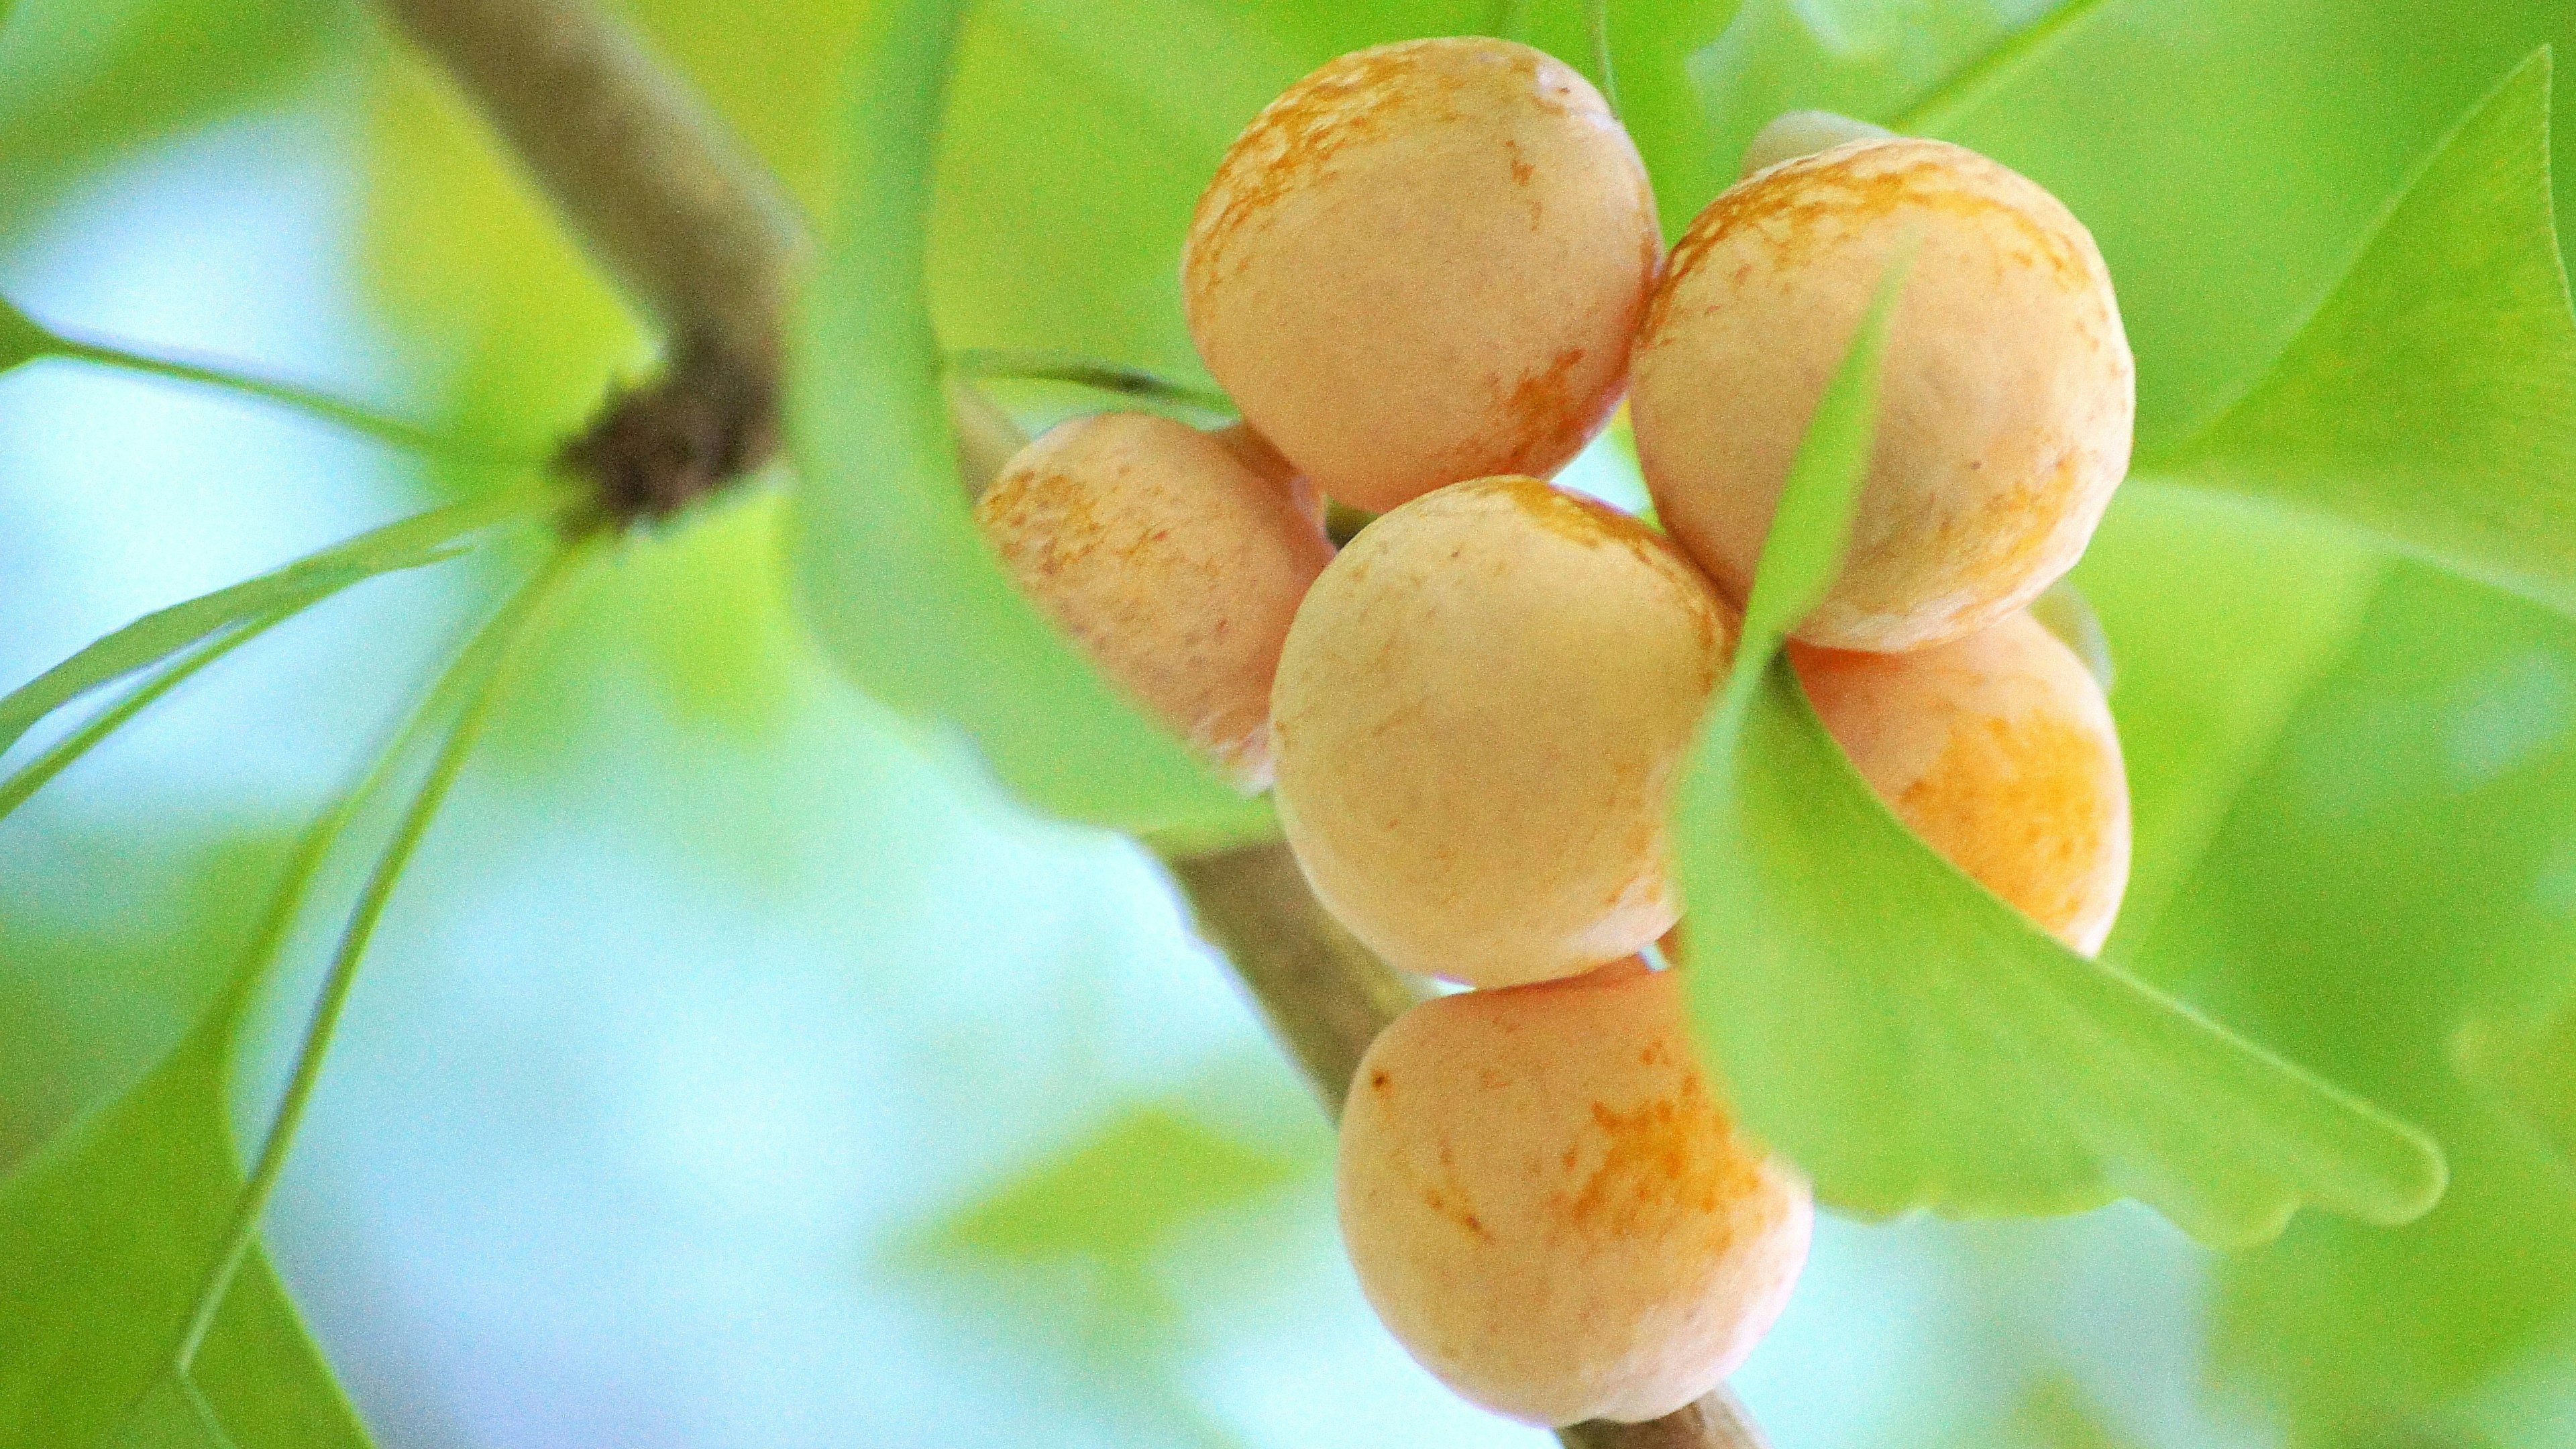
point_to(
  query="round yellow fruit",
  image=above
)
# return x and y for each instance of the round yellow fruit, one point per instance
(1479, 717)
(1424, 263)
(1999, 751)
(1548, 1205)
(1176, 566)
(2007, 392)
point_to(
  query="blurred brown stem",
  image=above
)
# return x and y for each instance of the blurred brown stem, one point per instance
(696, 230)
(705, 241)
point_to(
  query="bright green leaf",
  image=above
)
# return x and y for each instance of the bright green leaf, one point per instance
(108, 1232)
(1912, 1041)
(894, 578)
(2530, 1068)
(410, 543)
(2431, 399)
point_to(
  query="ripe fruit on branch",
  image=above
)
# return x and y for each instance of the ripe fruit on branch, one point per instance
(1999, 751)
(1424, 263)
(1479, 715)
(2006, 392)
(1176, 566)
(1549, 1206)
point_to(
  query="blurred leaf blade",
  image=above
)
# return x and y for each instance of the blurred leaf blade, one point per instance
(406, 544)
(22, 338)
(2399, 867)
(2431, 399)
(100, 1273)
(2530, 1069)
(2221, 614)
(1910, 1040)
(893, 575)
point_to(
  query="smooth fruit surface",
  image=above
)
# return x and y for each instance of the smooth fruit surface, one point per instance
(1549, 1206)
(1176, 566)
(1424, 263)
(1479, 716)
(1998, 750)
(2007, 392)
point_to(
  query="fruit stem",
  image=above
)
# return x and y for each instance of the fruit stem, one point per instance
(699, 234)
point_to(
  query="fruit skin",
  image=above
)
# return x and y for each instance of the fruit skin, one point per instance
(1479, 716)
(1550, 1208)
(2007, 390)
(1424, 263)
(1174, 565)
(1999, 751)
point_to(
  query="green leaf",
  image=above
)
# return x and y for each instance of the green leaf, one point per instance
(1144, 1174)
(2531, 1069)
(2221, 615)
(894, 577)
(2399, 866)
(1877, 59)
(1910, 1040)
(167, 676)
(21, 338)
(115, 1295)
(2431, 400)
(411, 543)
(105, 1236)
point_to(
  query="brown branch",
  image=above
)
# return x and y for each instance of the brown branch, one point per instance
(692, 226)
(705, 242)
(1326, 997)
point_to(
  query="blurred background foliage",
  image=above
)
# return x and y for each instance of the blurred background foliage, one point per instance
(734, 1068)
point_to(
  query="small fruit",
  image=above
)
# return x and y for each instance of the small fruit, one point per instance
(1479, 716)
(1424, 263)
(1999, 751)
(1550, 1208)
(2006, 394)
(1176, 566)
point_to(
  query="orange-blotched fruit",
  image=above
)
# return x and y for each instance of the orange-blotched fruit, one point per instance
(1999, 750)
(1175, 564)
(1424, 263)
(2007, 392)
(1548, 1204)
(1479, 717)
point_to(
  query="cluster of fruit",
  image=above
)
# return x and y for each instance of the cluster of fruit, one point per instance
(1426, 275)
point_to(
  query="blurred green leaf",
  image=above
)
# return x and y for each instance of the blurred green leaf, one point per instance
(21, 339)
(2056, 1413)
(1073, 1239)
(85, 82)
(2231, 156)
(1873, 59)
(408, 544)
(1115, 1195)
(169, 674)
(2432, 398)
(106, 1235)
(893, 576)
(1910, 1040)
(2402, 864)
(2530, 1068)
(2221, 615)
